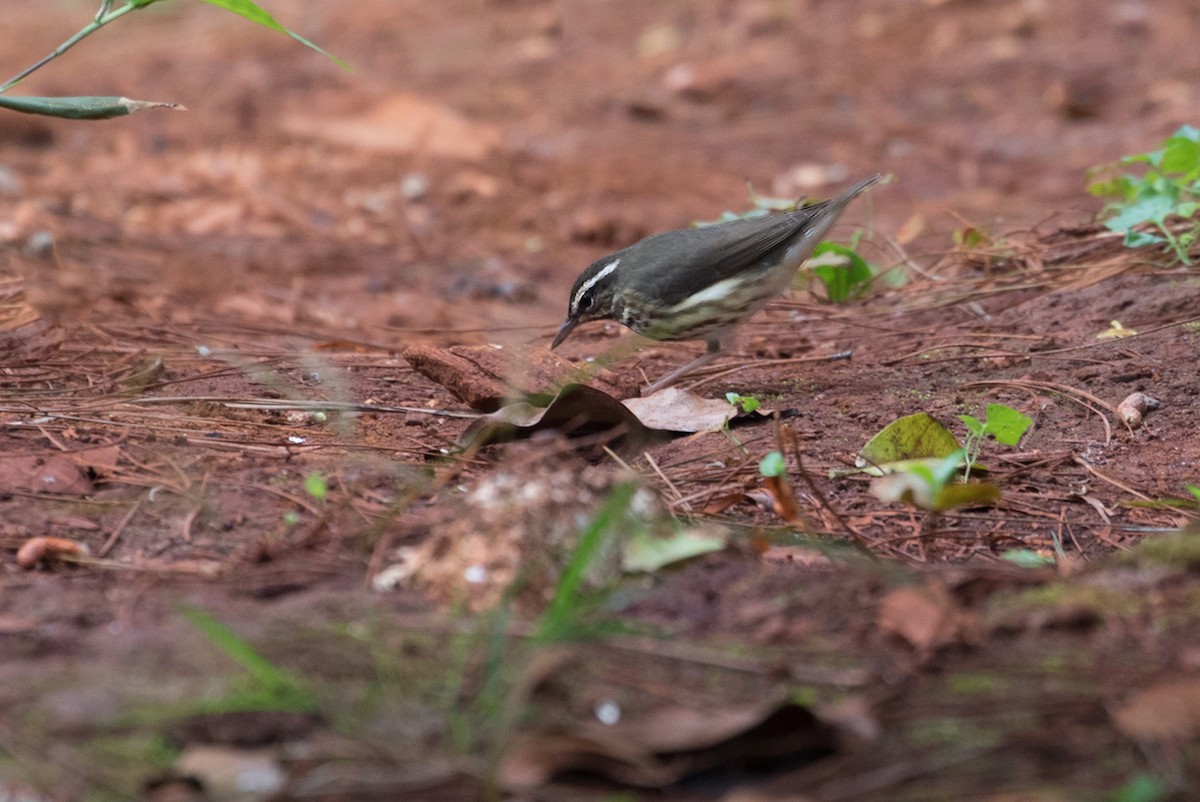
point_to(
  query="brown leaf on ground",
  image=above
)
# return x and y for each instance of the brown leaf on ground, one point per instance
(665, 746)
(50, 473)
(1166, 711)
(795, 555)
(676, 410)
(482, 376)
(578, 411)
(100, 462)
(403, 124)
(926, 617)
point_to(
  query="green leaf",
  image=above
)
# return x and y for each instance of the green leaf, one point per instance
(927, 485)
(1187, 132)
(773, 464)
(316, 486)
(1153, 209)
(81, 108)
(974, 425)
(1140, 239)
(647, 553)
(914, 436)
(845, 276)
(1182, 155)
(1027, 558)
(1143, 788)
(975, 494)
(1194, 490)
(250, 11)
(746, 403)
(946, 468)
(1006, 424)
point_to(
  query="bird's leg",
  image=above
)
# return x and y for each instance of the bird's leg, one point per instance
(714, 348)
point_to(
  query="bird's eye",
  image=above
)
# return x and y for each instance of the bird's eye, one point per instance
(585, 303)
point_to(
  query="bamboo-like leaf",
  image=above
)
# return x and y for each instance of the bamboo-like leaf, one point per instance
(82, 108)
(252, 12)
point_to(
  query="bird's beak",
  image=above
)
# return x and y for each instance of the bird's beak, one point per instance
(567, 326)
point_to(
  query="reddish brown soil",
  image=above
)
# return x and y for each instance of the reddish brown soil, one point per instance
(281, 243)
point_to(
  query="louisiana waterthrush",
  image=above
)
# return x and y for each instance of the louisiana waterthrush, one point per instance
(699, 283)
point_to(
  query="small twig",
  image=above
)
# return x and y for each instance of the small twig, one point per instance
(794, 441)
(54, 441)
(615, 457)
(301, 404)
(1114, 482)
(119, 528)
(771, 363)
(670, 485)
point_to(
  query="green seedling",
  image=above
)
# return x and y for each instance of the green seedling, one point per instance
(843, 274)
(931, 485)
(1166, 185)
(1003, 423)
(317, 486)
(1143, 788)
(267, 687)
(1027, 558)
(565, 618)
(772, 465)
(918, 459)
(746, 403)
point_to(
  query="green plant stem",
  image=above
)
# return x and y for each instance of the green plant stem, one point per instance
(86, 31)
(1180, 251)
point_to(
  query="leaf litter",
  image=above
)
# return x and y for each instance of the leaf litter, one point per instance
(278, 354)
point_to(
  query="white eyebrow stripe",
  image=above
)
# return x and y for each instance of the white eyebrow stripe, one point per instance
(587, 285)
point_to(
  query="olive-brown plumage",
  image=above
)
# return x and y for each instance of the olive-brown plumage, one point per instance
(699, 283)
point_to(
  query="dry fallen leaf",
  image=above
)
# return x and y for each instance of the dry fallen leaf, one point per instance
(783, 499)
(101, 461)
(926, 617)
(662, 747)
(484, 376)
(578, 411)
(910, 229)
(49, 473)
(1168, 710)
(403, 124)
(675, 410)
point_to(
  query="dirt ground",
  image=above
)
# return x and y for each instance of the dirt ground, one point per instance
(203, 329)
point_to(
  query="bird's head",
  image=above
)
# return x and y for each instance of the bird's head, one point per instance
(591, 297)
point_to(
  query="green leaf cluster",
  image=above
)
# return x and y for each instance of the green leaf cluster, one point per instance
(1165, 184)
(849, 278)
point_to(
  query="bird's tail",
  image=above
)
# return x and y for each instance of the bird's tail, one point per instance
(854, 191)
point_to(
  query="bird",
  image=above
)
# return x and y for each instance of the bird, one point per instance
(700, 283)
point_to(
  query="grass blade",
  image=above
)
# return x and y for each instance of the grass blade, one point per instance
(252, 12)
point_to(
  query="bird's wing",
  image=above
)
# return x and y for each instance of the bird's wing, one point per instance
(713, 253)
